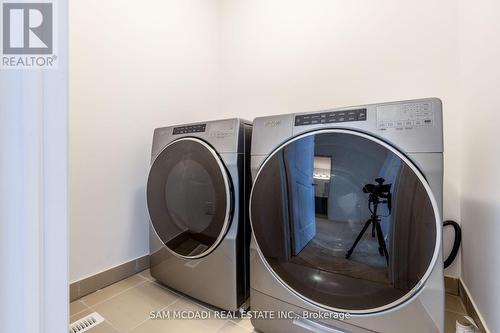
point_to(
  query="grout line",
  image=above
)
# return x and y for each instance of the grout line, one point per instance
(119, 293)
(116, 282)
(240, 326)
(458, 313)
(105, 320)
(187, 298)
(178, 298)
(115, 328)
(146, 277)
(473, 305)
(74, 314)
(245, 328)
(142, 322)
(181, 297)
(176, 293)
(193, 302)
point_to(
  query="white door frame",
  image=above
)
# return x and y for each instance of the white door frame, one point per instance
(33, 194)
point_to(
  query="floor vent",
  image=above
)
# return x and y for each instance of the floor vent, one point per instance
(86, 323)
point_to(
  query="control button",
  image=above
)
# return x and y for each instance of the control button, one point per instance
(331, 117)
(418, 122)
(399, 124)
(428, 121)
(408, 123)
(390, 124)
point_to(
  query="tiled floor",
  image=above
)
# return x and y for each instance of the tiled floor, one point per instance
(126, 307)
(455, 310)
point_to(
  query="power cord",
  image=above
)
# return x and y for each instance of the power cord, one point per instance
(456, 243)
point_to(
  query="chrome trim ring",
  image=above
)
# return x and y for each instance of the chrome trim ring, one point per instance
(229, 199)
(437, 248)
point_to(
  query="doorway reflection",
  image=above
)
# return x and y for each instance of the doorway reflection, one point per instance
(314, 197)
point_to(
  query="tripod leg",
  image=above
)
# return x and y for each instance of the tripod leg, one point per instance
(373, 230)
(367, 224)
(381, 242)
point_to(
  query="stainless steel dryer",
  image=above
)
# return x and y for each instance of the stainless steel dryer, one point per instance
(345, 212)
(197, 195)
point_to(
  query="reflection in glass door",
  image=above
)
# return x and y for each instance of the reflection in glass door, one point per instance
(189, 198)
(344, 220)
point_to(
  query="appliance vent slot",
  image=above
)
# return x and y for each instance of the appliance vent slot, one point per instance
(86, 323)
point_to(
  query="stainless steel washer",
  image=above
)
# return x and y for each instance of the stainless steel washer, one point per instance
(345, 212)
(197, 195)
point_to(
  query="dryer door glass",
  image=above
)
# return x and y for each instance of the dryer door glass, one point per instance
(189, 198)
(345, 221)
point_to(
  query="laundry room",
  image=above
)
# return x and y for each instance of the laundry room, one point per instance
(250, 166)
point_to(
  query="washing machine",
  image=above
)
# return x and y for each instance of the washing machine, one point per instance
(345, 211)
(197, 194)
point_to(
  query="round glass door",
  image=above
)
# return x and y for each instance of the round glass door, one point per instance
(189, 198)
(345, 221)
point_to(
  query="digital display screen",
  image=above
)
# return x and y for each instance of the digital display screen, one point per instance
(190, 129)
(331, 117)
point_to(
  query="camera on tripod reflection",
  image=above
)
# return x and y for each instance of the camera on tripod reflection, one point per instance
(379, 191)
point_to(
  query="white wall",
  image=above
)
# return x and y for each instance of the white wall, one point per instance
(285, 56)
(138, 66)
(135, 65)
(480, 82)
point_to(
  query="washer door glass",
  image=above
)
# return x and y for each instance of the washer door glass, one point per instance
(189, 198)
(345, 221)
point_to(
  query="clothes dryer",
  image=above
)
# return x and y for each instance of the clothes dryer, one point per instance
(346, 217)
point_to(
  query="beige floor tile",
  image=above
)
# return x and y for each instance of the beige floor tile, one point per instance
(103, 328)
(454, 303)
(450, 319)
(114, 289)
(170, 326)
(80, 315)
(245, 323)
(76, 306)
(211, 325)
(130, 308)
(147, 275)
(231, 327)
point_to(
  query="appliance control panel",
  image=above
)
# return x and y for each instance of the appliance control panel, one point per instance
(331, 117)
(189, 129)
(222, 129)
(404, 116)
